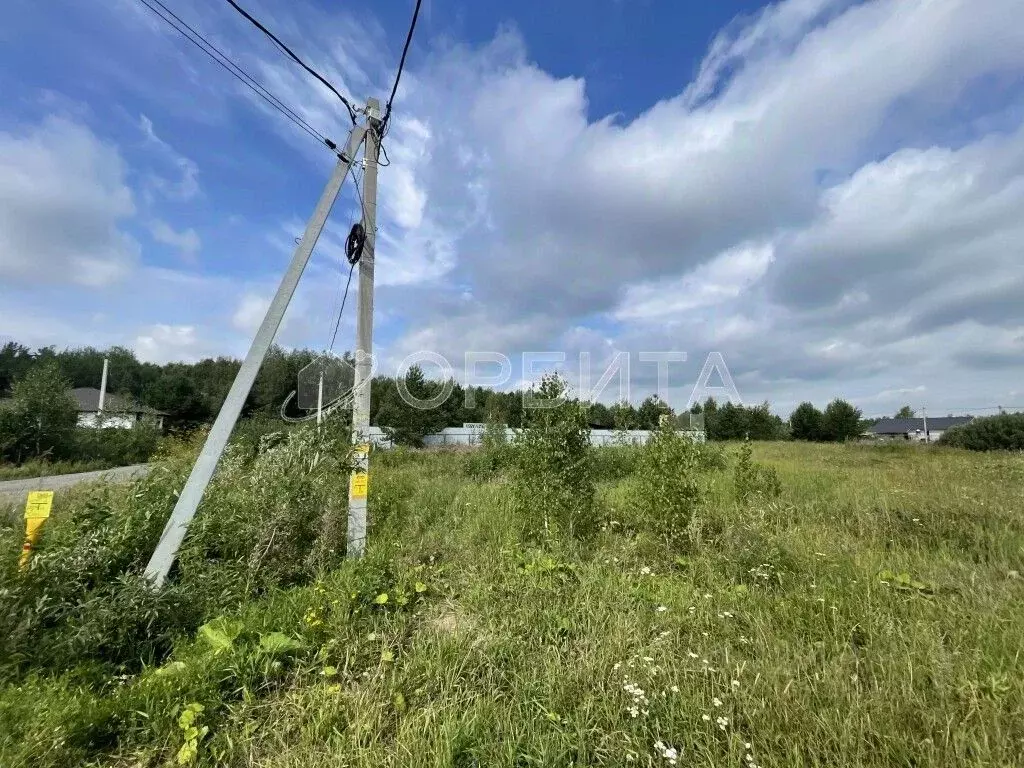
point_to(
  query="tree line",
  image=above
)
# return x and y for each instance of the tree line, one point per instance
(192, 393)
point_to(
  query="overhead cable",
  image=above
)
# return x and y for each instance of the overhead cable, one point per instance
(291, 54)
(401, 66)
(170, 18)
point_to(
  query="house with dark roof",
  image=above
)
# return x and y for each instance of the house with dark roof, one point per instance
(117, 411)
(914, 429)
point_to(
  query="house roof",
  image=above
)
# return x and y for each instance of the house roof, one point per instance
(902, 426)
(88, 401)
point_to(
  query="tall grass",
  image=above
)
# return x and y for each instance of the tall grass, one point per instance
(871, 615)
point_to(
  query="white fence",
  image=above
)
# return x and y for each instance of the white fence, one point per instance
(471, 436)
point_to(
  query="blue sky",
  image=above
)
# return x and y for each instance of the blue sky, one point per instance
(825, 191)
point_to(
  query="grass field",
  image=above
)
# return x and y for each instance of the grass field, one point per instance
(872, 615)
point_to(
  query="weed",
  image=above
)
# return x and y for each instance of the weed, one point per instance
(752, 480)
(552, 467)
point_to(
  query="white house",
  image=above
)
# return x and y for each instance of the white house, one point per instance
(117, 412)
(914, 429)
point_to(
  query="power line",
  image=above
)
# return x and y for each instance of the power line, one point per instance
(291, 54)
(221, 58)
(401, 66)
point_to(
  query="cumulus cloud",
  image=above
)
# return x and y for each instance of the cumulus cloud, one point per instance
(164, 343)
(814, 204)
(63, 200)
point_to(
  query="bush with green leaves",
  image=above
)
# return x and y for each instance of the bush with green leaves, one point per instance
(615, 462)
(117, 447)
(266, 521)
(39, 419)
(752, 480)
(1004, 432)
(552, 465)
(672, 482)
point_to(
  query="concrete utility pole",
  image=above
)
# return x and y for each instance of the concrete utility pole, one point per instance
(359, 481)
(103, 386)
(185, 509)
(924, 415)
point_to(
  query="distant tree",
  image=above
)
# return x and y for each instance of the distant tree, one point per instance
(15, 360)
(601, 416)
(805, 423)
(906, 412)
(762, 424)
(41, 416)
(732, 422)
(404, 422)
(176, 394)
(710, 409)
(650, 412)
(840, 422)
(624, 416)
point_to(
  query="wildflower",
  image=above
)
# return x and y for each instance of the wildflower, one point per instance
(616, 666)
(667, 752)
(735, 683)
(746, 745)
(706, 718)
(648, 658)
(716, 701)
(692, 608)
(691, 654)
(674, 689)
(661, 609)
(645, 571)
(722, 722)
(707, 595)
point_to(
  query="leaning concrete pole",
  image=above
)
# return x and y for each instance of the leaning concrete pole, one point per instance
(177, 526)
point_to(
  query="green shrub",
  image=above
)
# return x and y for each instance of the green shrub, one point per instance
(260, 524)
(117, 447)
(671, 484)
(615, 462)
(1004, 432)
(552, 465)
(495, 453)
(752, 480)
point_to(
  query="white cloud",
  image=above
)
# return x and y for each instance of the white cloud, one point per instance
(186, 186)
(186, 241)
(250, 312)
(703, 221)
(725, 277)
(63, 198)
(164, 343)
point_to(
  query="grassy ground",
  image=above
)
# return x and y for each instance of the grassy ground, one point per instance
(49, 468)
(871, 616)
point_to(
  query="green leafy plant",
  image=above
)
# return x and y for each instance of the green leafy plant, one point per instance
(671, 482)
(552, 465)
(752, 480)
(192, 733)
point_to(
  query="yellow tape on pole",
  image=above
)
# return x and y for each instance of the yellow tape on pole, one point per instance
(360, 485)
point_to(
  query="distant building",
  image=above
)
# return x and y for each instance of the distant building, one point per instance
(118, 412)
(913, 429)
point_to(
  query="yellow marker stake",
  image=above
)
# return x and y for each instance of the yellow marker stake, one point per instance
(37, 509)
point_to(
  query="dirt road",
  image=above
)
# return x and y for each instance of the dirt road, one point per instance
(12, 490)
